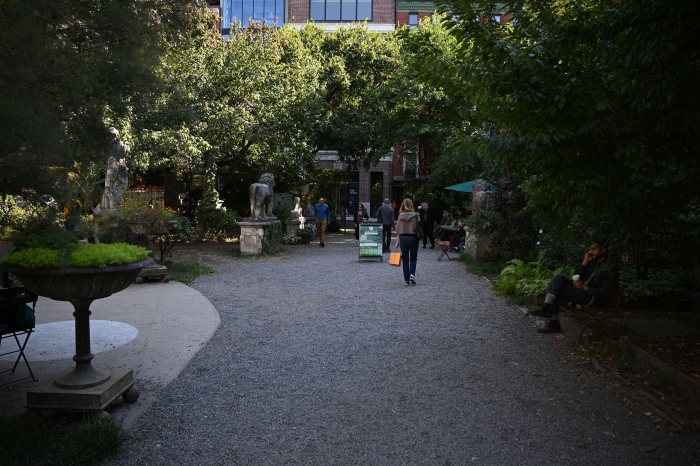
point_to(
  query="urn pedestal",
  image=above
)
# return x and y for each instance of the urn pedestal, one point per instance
(85, 388)
(153, 271)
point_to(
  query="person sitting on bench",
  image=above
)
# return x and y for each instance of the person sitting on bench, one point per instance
(596, 280)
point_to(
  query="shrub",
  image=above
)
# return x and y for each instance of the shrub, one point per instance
(282, 214)
(306, 234)
(217, 223)
(55, 238)
(312, 228)
(272, 239)
(79, 255)
(111, 228)
(666, 286)
(302, 236)
(179, 229)
(27, 216)
(12, 217)
(519, 278)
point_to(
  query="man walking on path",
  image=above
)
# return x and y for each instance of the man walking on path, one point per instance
(385, 216)
(323, 215)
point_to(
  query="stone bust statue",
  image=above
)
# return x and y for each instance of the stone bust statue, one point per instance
(296, 211)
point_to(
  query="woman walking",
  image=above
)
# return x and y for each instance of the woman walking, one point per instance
(407, 239)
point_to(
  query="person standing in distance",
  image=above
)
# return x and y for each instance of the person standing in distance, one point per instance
(407, 240)
(323, 215)
(385, 216)
(360, 216)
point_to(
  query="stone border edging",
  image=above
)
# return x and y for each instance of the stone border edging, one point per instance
(687, 386)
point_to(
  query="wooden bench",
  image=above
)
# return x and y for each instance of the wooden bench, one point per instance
(597, 316)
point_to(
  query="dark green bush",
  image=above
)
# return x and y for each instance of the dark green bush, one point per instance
(306, 235)
(282, 214)
(520, 278)
(664, 287)
(217, 223)
(273, 238)
(55, 238)
(111, 228)
(180, 229)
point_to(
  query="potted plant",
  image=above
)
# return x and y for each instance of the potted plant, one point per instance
(80, 273)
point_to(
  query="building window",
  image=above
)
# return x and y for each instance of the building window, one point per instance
(413, 19)
(244, 11)
(340, 10)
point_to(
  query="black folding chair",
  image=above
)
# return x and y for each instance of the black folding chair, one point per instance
(445, 248)
(17, 323)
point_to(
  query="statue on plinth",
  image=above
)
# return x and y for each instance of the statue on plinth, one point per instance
(261, 196)
(296, 220)
(117, 176)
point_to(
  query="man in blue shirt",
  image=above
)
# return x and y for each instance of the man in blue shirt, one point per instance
(323, 215)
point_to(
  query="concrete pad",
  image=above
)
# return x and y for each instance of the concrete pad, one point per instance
(152, 328)
(56, 340)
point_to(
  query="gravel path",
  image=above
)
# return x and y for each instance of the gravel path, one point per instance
(322, 359)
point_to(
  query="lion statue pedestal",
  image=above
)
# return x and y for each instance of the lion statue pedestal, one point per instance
(252, 235)
(253, 228)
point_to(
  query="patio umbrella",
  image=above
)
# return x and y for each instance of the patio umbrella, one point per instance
(466, 187)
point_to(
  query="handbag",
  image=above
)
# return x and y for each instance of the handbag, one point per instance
(419, 229)
(395, 258)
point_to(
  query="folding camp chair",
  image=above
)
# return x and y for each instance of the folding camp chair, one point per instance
(445, 247)
(17, 323)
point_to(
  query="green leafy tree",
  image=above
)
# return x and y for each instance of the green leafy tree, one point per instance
(70, 69)
(356, 64)
(243, 106)
(423, 111)
(594, 103)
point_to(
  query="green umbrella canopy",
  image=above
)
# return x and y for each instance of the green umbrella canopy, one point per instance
(467, 186)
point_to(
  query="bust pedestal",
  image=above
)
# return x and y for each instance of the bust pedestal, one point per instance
(295, 224)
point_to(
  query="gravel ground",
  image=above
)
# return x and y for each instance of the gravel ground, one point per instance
(323, 359)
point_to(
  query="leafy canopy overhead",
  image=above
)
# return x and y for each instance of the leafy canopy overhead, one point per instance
(593, 102)
(71, 68)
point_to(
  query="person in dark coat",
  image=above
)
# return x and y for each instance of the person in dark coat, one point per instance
(595, 281)
(385, 216)
(429, 216)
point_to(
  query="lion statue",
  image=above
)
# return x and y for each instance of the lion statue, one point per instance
(261, 196)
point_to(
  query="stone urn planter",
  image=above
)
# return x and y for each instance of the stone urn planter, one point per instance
(85, 387)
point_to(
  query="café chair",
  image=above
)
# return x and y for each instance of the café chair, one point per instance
(445, 248)
(17, 323)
